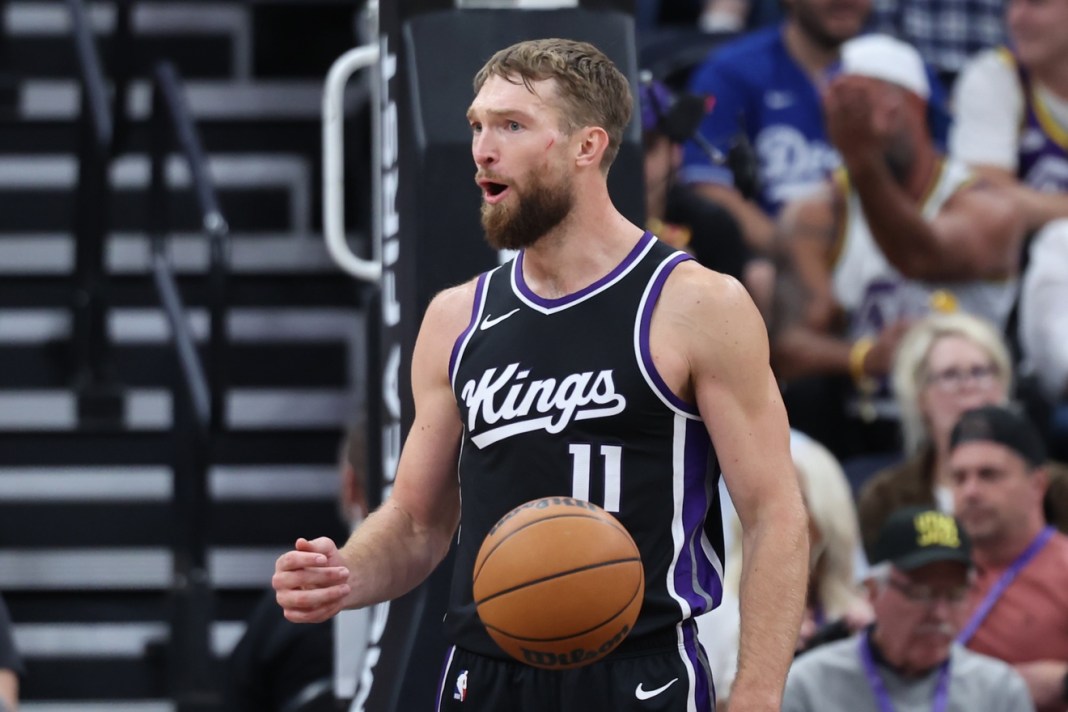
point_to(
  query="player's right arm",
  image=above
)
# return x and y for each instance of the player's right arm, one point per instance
(398, 546)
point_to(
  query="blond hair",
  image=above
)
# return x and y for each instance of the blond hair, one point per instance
(592, 89)
(829, 502)
(910, 374)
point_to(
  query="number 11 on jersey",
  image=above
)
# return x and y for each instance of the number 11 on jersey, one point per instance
(581, 454)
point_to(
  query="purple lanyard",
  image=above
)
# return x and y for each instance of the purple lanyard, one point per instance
(882, 697)
(1003, 583)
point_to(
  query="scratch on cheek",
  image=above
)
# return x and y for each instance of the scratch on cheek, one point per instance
(550, 144)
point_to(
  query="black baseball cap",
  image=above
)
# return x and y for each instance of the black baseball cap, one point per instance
(916, 536)
(1004, 426)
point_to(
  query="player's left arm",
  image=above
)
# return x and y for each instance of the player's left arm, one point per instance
(726, 346)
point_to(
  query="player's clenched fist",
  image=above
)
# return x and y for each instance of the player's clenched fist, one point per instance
(311, 582)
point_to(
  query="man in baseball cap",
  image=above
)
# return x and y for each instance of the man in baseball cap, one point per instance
(908, 659)
(1018, 610)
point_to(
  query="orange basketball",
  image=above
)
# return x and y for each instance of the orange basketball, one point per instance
(558, 583)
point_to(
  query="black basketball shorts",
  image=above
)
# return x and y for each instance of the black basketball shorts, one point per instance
(666, 672)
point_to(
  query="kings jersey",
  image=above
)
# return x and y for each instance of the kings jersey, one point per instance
(560, 397)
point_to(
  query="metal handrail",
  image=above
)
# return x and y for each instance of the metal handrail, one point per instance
(195, 381)
(92, 74)
(170, 105)
(89, 337)
(192, 674)
(334, 163)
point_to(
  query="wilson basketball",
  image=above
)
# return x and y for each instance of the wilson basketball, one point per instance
(558, 583)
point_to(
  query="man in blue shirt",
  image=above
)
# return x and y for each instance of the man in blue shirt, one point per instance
(767, 85)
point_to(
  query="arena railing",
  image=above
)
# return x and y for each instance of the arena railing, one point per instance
(91, 360)
(199, 405)
(334, 155)
(199, 396)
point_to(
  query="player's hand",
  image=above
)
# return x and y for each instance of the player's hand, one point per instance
(311, 582)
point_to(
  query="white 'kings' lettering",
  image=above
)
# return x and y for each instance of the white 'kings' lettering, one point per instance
(506, 403)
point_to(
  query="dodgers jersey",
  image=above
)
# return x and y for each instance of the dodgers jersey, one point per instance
(757, 83)
(560, 397)
(761, 90)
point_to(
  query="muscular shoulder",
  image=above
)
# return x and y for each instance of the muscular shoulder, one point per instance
(695, 292)
(450, 309)
(711, 316)
(446, 317)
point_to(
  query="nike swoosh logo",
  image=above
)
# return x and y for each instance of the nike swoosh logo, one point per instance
(647, 694)
(493, 321)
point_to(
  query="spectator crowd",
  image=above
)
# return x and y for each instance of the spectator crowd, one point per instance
(889, 180)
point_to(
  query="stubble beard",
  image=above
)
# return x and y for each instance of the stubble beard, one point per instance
(538, 209)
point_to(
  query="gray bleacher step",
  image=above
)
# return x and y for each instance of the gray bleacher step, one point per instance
(208, 99)
(108, 639)
(28, 178)
(99, 706)
(290, 348)
(132, 568)
(130, 253)
(153, 483)
(151, 409)
(29, 21)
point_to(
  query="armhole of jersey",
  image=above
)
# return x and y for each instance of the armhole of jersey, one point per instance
(642, 351)
(1056, 133)
(481, 287)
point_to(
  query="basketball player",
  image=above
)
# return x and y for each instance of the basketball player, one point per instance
(600, 364)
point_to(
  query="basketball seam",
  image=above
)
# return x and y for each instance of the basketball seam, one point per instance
(565, 515)
(637, 590)
(558, 574)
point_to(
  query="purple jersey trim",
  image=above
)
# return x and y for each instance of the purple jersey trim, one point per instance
(476, 311)
(696, 578)
(645, 319)
(528, 294)
(445, 665)
(704, 695)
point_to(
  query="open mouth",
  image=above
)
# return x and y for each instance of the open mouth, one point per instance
(492, 191)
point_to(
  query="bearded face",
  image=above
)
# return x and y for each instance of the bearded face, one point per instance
(536, 208)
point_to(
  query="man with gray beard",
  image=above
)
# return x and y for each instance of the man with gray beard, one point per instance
(907, 661)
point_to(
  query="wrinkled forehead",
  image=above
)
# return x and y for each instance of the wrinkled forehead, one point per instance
(500, 94)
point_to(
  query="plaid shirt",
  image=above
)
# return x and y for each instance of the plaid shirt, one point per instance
(946, 32)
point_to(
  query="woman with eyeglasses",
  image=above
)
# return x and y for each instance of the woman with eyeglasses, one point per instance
(945, 365)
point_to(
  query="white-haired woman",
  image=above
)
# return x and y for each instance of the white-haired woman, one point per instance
(834, 596)
(945, 365)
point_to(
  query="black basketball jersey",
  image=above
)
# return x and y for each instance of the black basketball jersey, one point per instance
(560, 397)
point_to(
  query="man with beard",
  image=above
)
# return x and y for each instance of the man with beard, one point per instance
(900, 232)
(907, 660)
(767, 85)
(1018, 611)
(599, 364)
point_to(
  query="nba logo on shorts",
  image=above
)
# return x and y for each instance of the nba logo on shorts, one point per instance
(461, 686)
